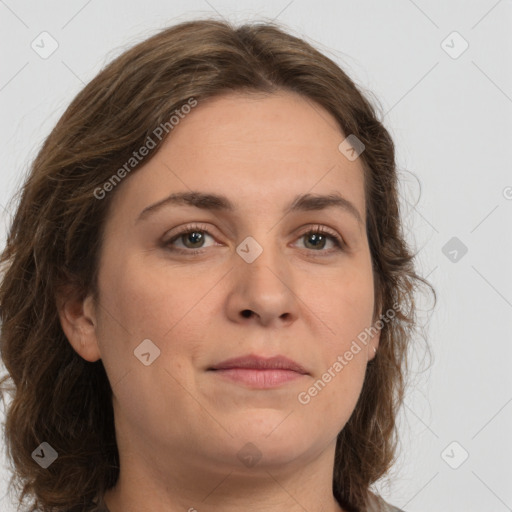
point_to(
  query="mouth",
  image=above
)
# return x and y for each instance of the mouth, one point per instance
(259, 372)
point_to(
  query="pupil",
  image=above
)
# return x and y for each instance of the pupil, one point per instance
(317, 237)
(196, 236)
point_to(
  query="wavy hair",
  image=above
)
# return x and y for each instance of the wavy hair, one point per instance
(56, 234)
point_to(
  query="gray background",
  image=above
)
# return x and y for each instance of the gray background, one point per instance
(451, 119)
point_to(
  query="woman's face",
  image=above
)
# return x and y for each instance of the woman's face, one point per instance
(246, 280)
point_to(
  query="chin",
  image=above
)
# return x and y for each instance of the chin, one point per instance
(268, 426)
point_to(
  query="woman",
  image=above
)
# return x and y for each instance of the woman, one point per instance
(207, 299)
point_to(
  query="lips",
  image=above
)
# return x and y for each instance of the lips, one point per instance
(256, 372)
(253, 362)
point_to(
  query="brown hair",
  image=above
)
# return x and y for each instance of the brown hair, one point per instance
(56, 234)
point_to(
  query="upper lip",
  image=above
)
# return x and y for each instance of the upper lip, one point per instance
(261, 363)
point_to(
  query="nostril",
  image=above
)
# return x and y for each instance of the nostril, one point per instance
(246, 313)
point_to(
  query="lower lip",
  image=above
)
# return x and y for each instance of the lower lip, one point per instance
(261, 379)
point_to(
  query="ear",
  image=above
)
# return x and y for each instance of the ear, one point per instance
(78, 320)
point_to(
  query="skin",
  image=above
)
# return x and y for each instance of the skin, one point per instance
(180, 427)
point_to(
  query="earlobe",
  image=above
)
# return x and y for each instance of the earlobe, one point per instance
(78, 321)
(373, 345)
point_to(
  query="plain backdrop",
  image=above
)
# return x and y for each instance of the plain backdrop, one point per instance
(441, 72)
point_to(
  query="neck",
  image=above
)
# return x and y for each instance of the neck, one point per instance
(155, 484)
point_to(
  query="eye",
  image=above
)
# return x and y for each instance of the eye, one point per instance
(192, 239)
(319, 235)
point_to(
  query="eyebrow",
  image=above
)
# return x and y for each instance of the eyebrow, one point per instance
(215, 202)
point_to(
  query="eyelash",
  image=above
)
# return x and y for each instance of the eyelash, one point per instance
(316, 230)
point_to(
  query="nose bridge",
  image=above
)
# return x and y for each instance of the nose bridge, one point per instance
(260, 244)
(261, 256)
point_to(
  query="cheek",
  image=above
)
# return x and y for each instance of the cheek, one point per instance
(139, 303)
(347, 309)
(346, 305)
(332, 400)
(151, 299)
(334, 389)
(156, 302)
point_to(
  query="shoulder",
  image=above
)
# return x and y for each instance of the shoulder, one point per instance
(377, 504)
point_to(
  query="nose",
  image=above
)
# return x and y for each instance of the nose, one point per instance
(262, 291)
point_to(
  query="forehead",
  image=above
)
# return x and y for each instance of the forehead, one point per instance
(257, 149)
(277, 122)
